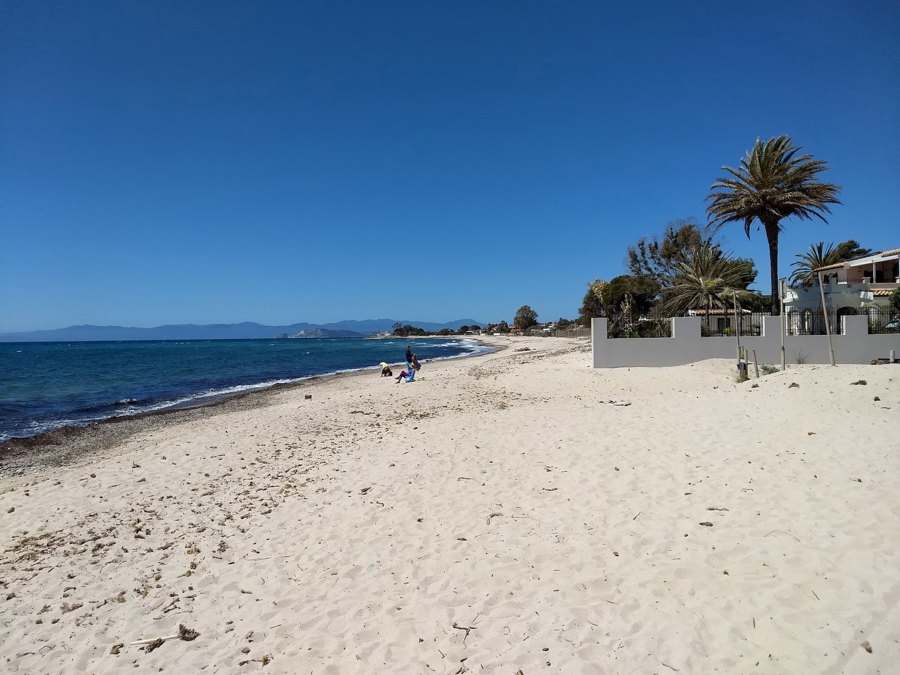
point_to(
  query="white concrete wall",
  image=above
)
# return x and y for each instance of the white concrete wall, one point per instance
(686, 345)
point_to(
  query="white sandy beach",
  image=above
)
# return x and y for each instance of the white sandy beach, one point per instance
(514, 512)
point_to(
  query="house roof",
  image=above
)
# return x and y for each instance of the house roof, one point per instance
(873, 258)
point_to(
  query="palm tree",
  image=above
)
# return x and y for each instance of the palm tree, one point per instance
(820, 256)
(771, 183)
(807, 263)
(705, 277)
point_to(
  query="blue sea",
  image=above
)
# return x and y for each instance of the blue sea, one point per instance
(49, 385)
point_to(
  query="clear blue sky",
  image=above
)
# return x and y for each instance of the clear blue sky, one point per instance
(203, 162)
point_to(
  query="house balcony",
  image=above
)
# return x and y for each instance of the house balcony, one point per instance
(861, 284)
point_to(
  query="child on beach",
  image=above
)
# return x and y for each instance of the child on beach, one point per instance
(386, 370)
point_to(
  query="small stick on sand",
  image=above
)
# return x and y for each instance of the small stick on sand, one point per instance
(465, 628)
(149, 640)
(782, 532)
(268, 557)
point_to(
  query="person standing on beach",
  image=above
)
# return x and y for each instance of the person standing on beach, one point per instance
(409, 354)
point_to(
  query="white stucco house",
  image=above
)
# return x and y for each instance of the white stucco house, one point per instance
(859, 286)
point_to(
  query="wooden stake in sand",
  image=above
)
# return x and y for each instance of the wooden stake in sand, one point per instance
(825, 315)
(781, 317)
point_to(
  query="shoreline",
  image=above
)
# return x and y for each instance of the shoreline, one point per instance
(517, 511)
(60, 446)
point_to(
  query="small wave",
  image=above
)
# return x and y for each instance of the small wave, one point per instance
(34, 428)
(467, 343)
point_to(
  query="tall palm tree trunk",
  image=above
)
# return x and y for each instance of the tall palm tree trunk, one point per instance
(772, 230)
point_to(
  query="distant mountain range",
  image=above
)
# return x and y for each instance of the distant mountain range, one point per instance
(223, 331)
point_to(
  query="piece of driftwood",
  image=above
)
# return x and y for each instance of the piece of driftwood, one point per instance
(183, 633)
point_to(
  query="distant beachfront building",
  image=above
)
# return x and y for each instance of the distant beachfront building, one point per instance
(859, 286)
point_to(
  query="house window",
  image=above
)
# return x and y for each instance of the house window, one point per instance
(806, 322)
(792, 322)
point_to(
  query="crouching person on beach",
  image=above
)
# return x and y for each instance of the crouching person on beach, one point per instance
(386, 370)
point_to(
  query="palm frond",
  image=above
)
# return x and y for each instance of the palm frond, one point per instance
(705, 277)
